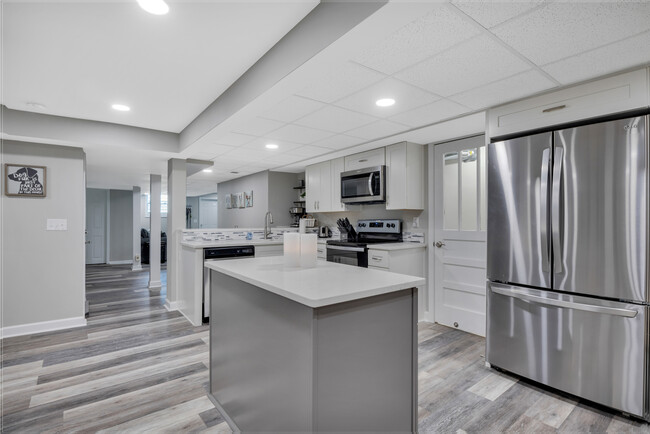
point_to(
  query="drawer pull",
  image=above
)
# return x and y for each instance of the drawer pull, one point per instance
(375, 258)
(363, 160)
(552, 109)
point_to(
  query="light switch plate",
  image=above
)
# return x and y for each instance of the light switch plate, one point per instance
(57, 224)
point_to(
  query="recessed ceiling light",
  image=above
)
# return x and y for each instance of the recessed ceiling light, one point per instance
(121, 107)
(271, 146)
(156, 7)
(207, 170)
(35, 105)
(385, 102)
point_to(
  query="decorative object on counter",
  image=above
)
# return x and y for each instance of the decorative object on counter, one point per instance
(25, 181)
(248, 198)
(292, 249)
(310, 221)
(228, 201)
(308, 250)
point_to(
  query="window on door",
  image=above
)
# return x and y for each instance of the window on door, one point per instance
(464, 203)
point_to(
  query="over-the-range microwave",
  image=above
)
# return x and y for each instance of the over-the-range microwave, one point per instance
(366, 185)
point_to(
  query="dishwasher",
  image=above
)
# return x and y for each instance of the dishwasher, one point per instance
(219, 254)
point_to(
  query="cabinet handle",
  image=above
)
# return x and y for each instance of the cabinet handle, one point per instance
(552, 109)
(374, 258)
(363, 160)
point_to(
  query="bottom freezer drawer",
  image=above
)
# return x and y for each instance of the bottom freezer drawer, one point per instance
(587, 347)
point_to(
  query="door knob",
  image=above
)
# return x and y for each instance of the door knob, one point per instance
(87, 242)
(439, 244)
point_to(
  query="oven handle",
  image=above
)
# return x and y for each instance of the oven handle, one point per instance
(347, 249)
(525, 296)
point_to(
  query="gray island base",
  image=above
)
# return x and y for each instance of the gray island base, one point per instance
(332, 348)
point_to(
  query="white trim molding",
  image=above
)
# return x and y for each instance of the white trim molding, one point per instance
(41, 327)
(172, 305)
(124, 262)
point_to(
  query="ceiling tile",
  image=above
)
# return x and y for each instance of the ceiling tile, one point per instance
(431, 113)
(244, 154)
(285, 158)
(625, 54)
(234, 139)
(406, 97)
(335, 119)
(259, 145)
(379, 129)
(211, 151)
(258, 126)
(469, 65)
(298, 134)
(342, 80)
(490, 14)
(339, 141)
(564, 29)
(227, 163)
(433, 33)
(509, 89)
(309, 151)
(293, 108)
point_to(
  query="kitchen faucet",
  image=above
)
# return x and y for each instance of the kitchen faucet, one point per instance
(268, 221)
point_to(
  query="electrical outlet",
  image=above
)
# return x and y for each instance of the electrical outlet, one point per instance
(57, 225)
(416, 222)
(137, 258)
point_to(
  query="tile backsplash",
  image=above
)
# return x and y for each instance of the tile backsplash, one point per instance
(233, 234)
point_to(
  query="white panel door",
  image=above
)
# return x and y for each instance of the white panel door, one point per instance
(459, 244)
(208, 213)
(96, 226)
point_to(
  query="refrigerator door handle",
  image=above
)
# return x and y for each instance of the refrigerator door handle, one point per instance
(543, 232)
(525, 296)
(555, 210)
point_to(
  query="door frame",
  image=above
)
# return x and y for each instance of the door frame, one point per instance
(429, 314)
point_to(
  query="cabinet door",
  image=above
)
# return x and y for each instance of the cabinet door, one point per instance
(405, 176)
(337, 166)
(396, 176)
(312, 187)
(324, 203)
(376, 157)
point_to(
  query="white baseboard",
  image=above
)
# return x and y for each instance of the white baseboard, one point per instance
(171, 305)
(41, 327)
(127, 261)
(136, 267)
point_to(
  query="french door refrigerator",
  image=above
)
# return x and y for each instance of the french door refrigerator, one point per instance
(567, 261)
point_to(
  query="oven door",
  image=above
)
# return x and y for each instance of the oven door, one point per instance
(363, 185)
(357, 256)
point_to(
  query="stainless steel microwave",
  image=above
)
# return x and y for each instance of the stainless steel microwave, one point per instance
(364, 185)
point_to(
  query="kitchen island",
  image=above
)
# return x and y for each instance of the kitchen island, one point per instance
(331, 348)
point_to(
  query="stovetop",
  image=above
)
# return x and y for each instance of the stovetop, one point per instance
(360, 244)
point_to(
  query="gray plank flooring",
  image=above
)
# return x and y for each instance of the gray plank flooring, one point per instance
(137, 367)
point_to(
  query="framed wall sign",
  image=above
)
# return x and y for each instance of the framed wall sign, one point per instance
(228, 201)
(24, 180)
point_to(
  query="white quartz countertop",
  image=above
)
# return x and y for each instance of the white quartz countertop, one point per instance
(396, 246)
(205, 244)
(326, 284)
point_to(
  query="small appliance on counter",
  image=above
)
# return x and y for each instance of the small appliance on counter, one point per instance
(355, 250)
(324, 232)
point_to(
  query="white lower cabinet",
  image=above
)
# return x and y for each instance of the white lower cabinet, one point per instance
(321, 250)
(404, 261)
(272, 250)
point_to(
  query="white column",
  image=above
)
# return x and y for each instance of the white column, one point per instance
(137, 225)
(154, 235)
(176, 202)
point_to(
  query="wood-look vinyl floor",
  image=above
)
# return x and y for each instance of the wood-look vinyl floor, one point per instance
(137, 367)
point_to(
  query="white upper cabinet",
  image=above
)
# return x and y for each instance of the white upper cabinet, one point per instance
(336, 167)
(318, 186)
(375, 157)
(405, 176)
(619, 93)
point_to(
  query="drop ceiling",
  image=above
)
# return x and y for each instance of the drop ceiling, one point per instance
(439, 61)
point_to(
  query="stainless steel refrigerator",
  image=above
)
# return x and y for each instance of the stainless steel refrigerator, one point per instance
(567, 260)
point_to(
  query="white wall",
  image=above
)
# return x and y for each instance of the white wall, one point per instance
(43, 276)
(252, 217)
(120, 225)
(281, 196)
